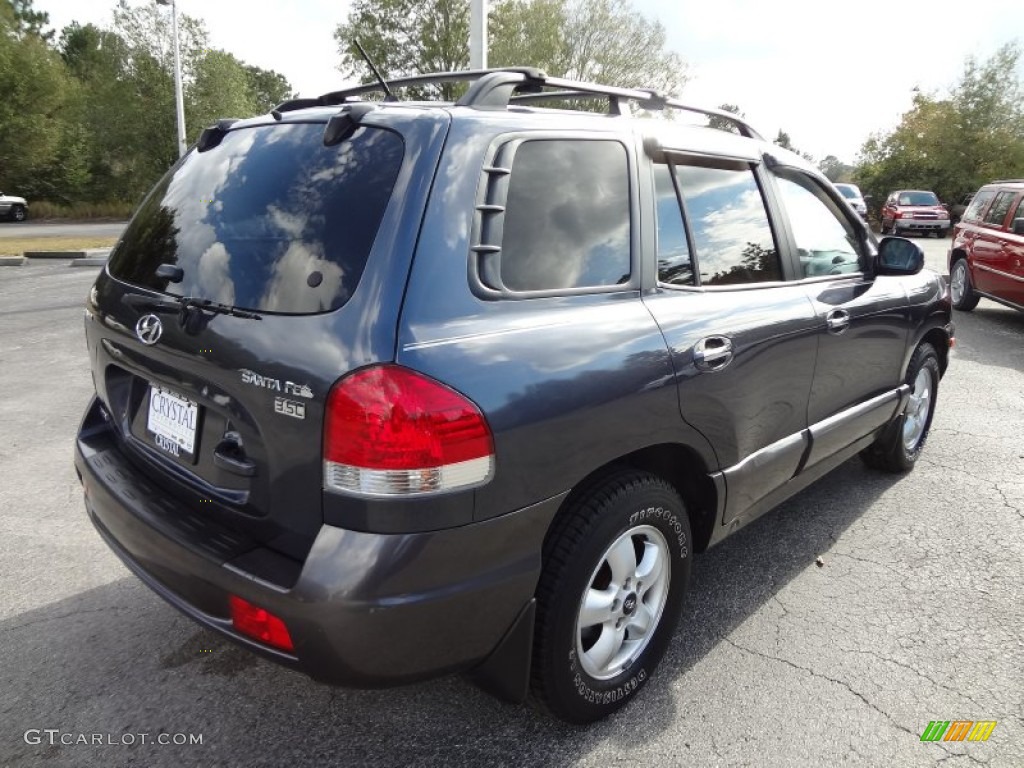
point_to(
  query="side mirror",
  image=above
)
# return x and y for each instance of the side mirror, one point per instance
(1018, 226)
(898, 256)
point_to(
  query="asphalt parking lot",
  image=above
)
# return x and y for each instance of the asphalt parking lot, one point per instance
(915, 613)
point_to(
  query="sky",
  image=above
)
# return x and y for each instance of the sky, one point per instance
(827, 73)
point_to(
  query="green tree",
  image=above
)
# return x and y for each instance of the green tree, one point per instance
(722, 123)
(404, 37)
(605, 41)
(953, 143)
(37, 140)
(26, 20)
(220, 89)
(835, 169)
(267, 88)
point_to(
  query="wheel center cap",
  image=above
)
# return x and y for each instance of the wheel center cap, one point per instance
(629, 604)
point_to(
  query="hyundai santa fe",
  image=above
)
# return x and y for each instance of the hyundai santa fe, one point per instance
(391, 389)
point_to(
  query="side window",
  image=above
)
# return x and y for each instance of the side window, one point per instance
(566, 222)
(1019, 213)
(675, 267)
(825, 239)
(998, 210)
(973, 212)
(727, 217)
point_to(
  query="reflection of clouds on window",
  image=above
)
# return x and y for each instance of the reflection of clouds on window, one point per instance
(215, 276)
(567, 218)
(674, 265)
(287, 289)
(815, 227)
(730, 226)
(267, 205)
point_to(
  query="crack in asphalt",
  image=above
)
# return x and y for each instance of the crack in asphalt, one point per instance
(910, 668)
(871, 705)
(62, 616)
(993, 483)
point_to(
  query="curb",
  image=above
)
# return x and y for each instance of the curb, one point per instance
(11, 261)
(55, 254)
(88, 261)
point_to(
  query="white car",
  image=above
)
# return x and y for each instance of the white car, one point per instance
(852, 193)
(11, 207)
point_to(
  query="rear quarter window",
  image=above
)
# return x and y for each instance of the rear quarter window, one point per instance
(567, 216)
(269, 219)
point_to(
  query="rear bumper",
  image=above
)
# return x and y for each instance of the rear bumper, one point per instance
(363, 609)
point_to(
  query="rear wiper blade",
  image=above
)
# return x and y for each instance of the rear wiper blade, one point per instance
(184, 303)
(208, 305)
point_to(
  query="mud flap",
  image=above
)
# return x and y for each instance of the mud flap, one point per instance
(505, 674)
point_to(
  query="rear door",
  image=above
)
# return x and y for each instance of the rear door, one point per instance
(1014, 245)
(993, 265)
(743, 339)
(224, 408)
(863, 320)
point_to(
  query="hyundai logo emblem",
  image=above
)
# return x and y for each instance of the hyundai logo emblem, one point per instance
(149, 329)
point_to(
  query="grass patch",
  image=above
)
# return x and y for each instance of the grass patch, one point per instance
(15, 246)
(79, 211)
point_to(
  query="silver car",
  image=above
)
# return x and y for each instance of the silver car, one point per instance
(852, 194)
(11, 207)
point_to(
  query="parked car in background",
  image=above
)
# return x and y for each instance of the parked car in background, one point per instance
(956, 211)
(987, 255)
(919, 211)
(13, 208)
(446, 387)
(852, 193)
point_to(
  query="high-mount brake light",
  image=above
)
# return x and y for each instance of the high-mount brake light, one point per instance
(392, 432)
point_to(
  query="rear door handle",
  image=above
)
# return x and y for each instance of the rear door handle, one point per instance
(712, 353)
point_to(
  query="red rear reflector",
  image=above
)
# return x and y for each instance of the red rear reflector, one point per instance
(392, 431)
(260, 624)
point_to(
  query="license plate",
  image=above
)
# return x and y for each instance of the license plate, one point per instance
(172, 420)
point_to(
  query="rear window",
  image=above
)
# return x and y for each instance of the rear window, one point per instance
(270, 219)
(850, 193)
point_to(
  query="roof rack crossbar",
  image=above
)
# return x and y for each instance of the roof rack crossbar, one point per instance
(497, 88)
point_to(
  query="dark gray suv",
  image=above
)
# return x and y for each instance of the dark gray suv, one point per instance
(386, 389)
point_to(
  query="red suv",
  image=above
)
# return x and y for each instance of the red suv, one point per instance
(987, 255)
(914, 210)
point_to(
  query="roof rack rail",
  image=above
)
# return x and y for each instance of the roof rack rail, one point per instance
(497, 88)
(1007, 181)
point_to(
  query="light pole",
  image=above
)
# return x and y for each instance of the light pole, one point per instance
(178, 97)
(478, 34)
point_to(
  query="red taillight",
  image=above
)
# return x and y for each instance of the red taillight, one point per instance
(259, 624)
(390, 431)
(897, 214)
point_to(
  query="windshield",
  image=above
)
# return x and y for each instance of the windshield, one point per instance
(269, 219)
(918, 198)
(848, 191)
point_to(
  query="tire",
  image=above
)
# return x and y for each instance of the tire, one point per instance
(629, 526)
(960, 289)
(18, 213)
(942, 234)
(901, 443)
